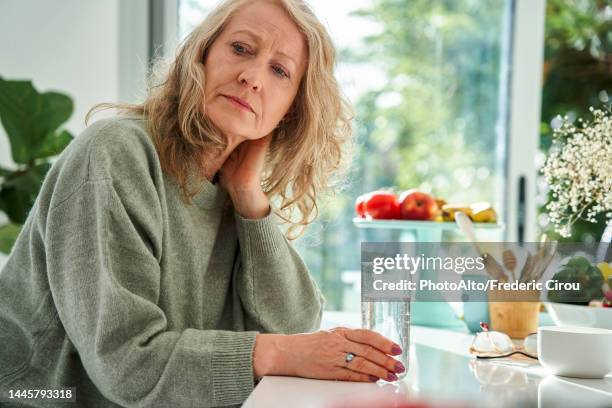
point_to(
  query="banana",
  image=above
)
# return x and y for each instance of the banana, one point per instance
(478, 212)
(488, 215)
(449, 210)
(483, 212)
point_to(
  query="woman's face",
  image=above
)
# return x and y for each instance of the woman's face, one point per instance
(258, 60)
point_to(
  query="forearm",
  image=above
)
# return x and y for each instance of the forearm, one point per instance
(274, 284)
(279, 295)
(171, 366)
(284, 298)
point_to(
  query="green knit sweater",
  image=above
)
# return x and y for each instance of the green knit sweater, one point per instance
(118, 288)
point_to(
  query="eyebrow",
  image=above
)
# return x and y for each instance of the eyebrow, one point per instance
(259, 39)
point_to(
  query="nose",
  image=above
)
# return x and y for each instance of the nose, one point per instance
(251, 78)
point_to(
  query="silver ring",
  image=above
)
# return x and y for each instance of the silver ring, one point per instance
(349, 357)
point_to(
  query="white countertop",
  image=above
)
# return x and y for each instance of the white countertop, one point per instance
(441, 373)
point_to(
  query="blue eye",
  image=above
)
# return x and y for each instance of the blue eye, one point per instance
(280, 72)
(239, 48)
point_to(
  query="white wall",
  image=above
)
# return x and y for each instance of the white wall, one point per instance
(94, 51)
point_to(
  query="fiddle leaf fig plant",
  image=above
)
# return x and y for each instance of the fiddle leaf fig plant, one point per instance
(33, 123)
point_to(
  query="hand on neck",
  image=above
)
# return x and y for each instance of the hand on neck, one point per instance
(211, 165)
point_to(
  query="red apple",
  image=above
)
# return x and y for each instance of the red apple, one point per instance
(416, 205)
(360, 205)
(382, 205)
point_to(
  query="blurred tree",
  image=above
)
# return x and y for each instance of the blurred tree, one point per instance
(435, 122)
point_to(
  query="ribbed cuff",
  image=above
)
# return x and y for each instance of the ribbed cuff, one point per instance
(232, 367)
(259, 237)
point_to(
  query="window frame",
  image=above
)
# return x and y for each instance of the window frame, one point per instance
(524, 119)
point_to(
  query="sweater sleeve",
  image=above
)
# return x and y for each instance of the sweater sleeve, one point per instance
(274, 284)
(103, 266)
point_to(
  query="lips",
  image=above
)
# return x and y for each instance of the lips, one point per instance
(240, 102)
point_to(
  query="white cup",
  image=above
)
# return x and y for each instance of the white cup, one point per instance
(583, 352)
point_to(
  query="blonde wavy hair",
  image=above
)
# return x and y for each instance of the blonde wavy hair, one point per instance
(310, 147)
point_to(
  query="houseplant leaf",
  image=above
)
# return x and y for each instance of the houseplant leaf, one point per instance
(19, 192)
(5, 172)
(15, 204)
(578, 270)
(29, 117)
(54, 144)
(8, 236)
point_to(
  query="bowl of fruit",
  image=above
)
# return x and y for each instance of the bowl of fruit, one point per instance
(592, 307)
(415, 205)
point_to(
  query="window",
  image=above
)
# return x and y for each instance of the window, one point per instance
(191, 13)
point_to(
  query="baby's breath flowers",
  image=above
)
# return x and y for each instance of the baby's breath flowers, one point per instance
(578, 171)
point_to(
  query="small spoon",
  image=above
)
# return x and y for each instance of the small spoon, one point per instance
(493, 268)
(465, 225)
(509, 261)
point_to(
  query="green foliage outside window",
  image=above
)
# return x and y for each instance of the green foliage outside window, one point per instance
(433, 125)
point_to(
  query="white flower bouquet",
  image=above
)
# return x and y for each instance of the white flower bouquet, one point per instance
(578, 171)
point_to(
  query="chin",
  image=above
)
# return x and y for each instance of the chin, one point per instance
(230, 123)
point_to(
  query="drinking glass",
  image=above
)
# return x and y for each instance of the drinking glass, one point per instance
(392, 320)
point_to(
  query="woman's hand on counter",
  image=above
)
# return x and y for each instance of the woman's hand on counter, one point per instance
(322, 355)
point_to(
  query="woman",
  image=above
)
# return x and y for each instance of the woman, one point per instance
(141, 280)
